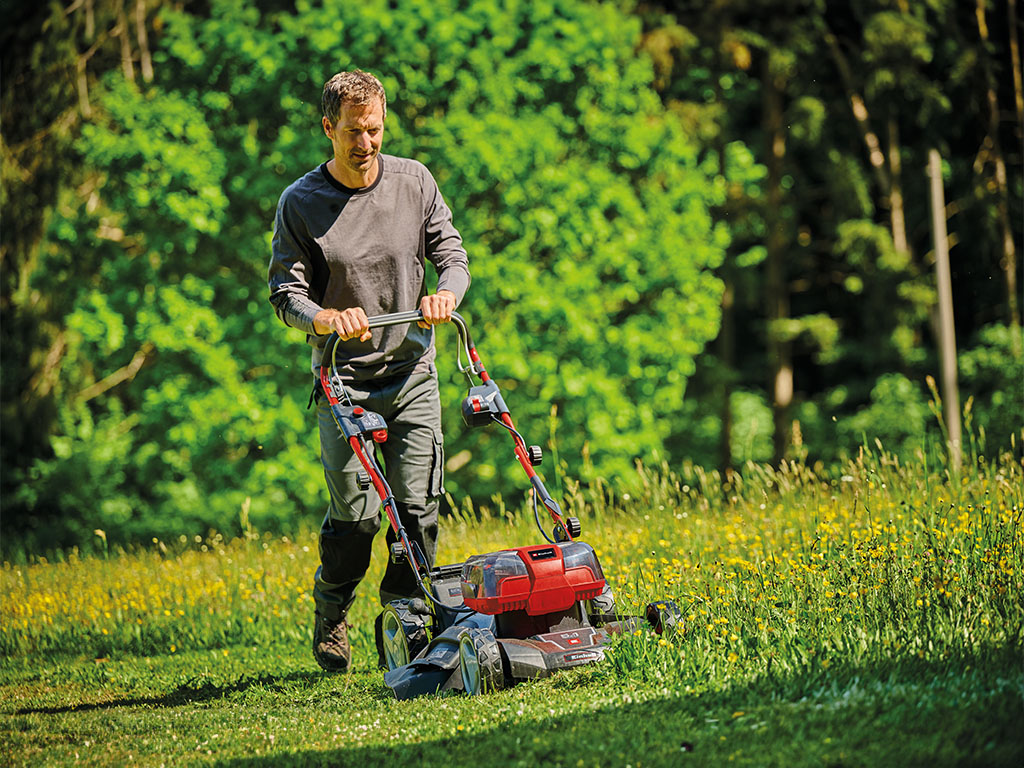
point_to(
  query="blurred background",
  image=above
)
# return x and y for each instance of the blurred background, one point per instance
(701, 234)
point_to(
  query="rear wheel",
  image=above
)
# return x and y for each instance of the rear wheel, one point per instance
(601, 609)
(480, 662)
(403, 634)
(664, 616)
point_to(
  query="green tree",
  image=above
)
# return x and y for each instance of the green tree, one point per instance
(584, 209)
(856, 95)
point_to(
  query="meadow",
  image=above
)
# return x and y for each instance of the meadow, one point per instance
(869, 614)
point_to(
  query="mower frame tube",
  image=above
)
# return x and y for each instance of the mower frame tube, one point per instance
(331, 382)
(505, 419)
(347, 409)
(364, 452)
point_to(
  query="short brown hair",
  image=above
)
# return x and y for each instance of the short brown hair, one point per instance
(356, 87)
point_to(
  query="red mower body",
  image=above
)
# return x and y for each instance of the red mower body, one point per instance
(540, 580)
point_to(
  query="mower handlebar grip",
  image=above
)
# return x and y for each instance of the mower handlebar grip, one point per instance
(404, 318)
(398, 318)
(401, 318)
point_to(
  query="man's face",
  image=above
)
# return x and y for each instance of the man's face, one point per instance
(357, 137)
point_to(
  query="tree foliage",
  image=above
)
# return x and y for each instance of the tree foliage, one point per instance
(864, 91)
(583, 206)
(631, 183)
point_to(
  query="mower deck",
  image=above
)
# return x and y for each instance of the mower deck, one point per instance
(473, 651)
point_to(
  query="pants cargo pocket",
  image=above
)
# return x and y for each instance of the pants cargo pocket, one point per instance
(435, 485)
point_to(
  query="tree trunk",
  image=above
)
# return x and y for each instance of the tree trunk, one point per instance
(897, 215)
(1008, 259)
(947, 334)
(860, 114)
(727, 358)
(726, 346)
(127, 64)
(888, 179)
(1015, 67)
(776, 293)
(145, 57)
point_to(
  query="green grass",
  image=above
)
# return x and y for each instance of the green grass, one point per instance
(867, 616)
(267, 706)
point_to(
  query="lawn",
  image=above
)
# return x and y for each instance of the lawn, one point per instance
(869, 615)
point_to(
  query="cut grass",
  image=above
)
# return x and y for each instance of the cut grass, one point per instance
(267, 706)
(870, 616)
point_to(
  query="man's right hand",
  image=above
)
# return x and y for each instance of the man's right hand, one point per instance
(347, 323)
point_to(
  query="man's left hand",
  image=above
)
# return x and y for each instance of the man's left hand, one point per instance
(437, 308)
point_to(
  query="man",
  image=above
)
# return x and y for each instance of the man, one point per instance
(350, 241)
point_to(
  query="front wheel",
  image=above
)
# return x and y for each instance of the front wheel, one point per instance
(480, 662)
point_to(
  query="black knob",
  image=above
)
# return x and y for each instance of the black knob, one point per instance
(397, 553)
(567, 531)
(535, 454)
(362, 480)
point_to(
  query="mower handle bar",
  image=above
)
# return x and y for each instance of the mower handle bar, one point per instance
(414, 316)
(404, 318)
(398, 318)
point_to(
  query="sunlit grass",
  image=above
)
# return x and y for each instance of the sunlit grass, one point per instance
(770, 567)
(829, 617)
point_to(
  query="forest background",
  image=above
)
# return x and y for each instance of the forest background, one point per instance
(699, 234)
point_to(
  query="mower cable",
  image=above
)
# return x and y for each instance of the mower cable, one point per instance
(464, 609)
(339, 384)
(536, 512)
(520, 438)
(466, 370)
(536, 516)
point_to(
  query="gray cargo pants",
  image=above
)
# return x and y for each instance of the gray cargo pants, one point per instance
(413, 459)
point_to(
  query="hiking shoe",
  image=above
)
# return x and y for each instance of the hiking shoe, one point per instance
(330, 644)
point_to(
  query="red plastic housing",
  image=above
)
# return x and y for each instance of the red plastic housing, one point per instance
(539, 579)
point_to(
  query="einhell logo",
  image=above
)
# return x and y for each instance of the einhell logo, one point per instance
(581, 657)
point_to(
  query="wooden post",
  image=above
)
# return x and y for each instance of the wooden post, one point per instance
(944, 284)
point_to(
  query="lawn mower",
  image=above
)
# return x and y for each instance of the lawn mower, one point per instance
(500, 617)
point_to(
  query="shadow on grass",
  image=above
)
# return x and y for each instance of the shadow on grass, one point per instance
(190, 692)
(960, 712)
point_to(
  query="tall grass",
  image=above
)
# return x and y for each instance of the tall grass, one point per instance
(774, 569)
(781, 569)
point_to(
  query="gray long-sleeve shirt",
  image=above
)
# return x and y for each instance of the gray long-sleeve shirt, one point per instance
(336, 248)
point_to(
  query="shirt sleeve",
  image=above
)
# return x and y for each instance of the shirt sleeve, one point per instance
(291, 271)
(444, 244)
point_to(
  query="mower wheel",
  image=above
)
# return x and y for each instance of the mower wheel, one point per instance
(403, 634)
(601, 609)
(480, 662)
(664, 616)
